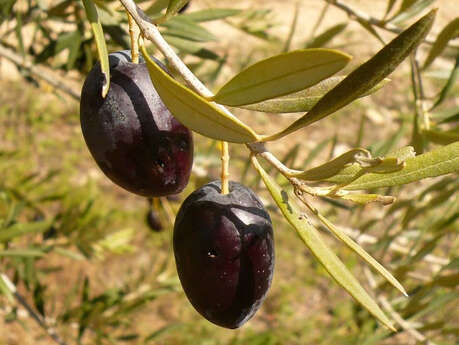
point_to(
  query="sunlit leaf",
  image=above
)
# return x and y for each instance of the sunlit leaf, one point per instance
(280, 75)
(96, 27)
(449, 32)
(441, 161)
(304, 100)
(173, 7)
(364, 77)
(20, 229)
(364, 199)
(194, 111)
(22, 253)
(320, 250)
(332, 167)
(441, 137)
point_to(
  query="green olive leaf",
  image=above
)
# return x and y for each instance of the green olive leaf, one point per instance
(441, 137)
(448, 86)
(211, 14)
(194, 111)
(412, 9)
(281, 75)
(341, 235)
(326, 36)
(304, 100)
(364, 77)
(172, 9)
(441, 161)
(364, 199)
(96, 26)
(319, 248)
(449, 32)
(331, 168)
(187, 29)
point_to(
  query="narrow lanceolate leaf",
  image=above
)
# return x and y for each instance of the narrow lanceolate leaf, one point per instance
(96, 26)
(173, 8)
(211, 14)
(364, 199)
(20, 229)
(331, 168)
(187, 29)
(362, 253)
(414, 9)
(325, 37)
(22, 253)
(366, 76)
(194, 111)
(442, 137)
(5, 287)
(280, 75)
(318, 247)
(449, 84)
(441, 161)
(450, 32)
(304, 100)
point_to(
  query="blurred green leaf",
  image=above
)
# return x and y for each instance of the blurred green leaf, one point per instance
(280, 75)
(449, 84)
(187, 29)
(211, 14)
(96, 26)
(366, 76)
(190, 47)
(22, 253)
(410, 10)
(173, 8)
(325, 37)
(20, 229)
(194, 111)
(449, 32)
(441, 137)
(321, 251)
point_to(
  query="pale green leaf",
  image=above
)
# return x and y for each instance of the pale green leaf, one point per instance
(5, 288)
(366, 76)
(211, 14)
(412, 9)
(20, 229)
(326, 36)
(187, 29)
(449, 84)
(21, 253)
(281, 75)
(96, 27)
(364, 199)
(318, 247)
(172, 9)
(394, 159)
(362, 253)
(194, 111)
(304, 100)
(450, 32)
(332, 167)
(441, 161)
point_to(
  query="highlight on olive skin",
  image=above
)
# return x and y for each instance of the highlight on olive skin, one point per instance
(131, 134)
(224, 252)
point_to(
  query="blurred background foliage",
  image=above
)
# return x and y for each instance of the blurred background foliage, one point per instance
(80, 250)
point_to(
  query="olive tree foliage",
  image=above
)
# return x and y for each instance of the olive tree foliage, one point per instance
(46, 38)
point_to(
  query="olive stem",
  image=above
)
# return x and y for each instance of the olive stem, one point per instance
(225, 167)
(134, 33)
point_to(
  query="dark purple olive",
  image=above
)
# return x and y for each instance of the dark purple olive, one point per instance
(224, 252)
(131, 134)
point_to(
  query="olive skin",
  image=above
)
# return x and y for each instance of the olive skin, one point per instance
(131, 134)
(224, 252)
